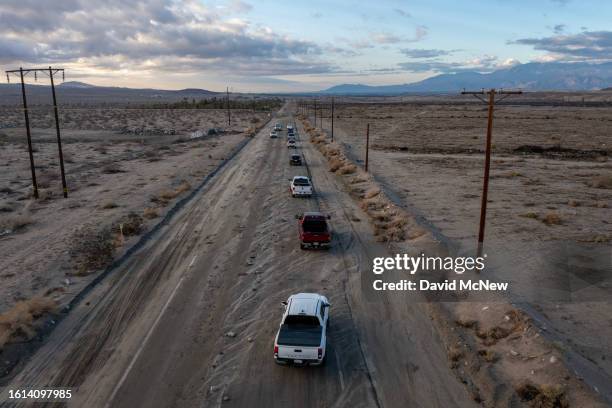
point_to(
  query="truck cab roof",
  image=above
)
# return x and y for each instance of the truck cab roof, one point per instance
(305, 304)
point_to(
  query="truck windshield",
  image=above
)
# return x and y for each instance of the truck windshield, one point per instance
(315, 226)
(301, 182)
(301, 320)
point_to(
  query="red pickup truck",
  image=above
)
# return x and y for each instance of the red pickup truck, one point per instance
(314, 230)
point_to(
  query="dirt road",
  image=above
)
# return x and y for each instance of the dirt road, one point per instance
(190, 319)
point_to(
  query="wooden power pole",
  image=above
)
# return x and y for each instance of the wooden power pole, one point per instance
(332, 119)
(367, 147)
(485, 182)
(51, 72)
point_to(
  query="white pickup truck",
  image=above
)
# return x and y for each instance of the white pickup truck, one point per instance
(302, 336)
(300, 187)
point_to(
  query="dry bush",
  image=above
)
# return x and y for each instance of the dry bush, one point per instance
(20, 322)
(347, 169)
(574, 203)
(488, 355)
(415, 233)
(601, 182)
(542, 396)
(109, 206)
(370, 204)
(531, 215)
(184, 186)
(167, 195)
(150, 213)
(15, 222)
(335, 164)
(372, 192)
(552, 218)
(130, 225)
(112, 168)
(92, 250)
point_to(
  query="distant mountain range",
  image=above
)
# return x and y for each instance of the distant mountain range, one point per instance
(80, 92)
(548, 76)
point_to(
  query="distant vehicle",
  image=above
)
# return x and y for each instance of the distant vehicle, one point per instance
(273, 134)
(291, 144)
(295, 160)
(302, 336)
(300, 187)
(289, 128)
(313, 230)
(290, 133)
(278, 127)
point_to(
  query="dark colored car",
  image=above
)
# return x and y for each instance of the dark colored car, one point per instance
(295, 160)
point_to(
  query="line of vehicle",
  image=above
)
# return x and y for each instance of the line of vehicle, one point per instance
(343, 254)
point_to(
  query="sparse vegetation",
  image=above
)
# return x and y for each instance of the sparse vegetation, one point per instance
(552, 218)
(542, 396)
(15, 222)
(21, 321)
(150, 213)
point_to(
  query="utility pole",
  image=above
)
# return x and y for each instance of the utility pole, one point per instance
(59, 139)
(332, 120)
(229, 112)
(29, 136)
(367, 146)
(485, 184)
(51, 72)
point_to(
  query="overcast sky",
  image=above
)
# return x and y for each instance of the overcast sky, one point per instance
(274, 45)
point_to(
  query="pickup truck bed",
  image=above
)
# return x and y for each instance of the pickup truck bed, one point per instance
(306, 336)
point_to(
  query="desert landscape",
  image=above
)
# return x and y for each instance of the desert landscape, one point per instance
(548, 226)
(125, 169)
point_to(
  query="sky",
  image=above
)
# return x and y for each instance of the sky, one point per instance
(291, 46)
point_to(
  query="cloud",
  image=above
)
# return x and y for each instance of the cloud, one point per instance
(424, 53)
(486, 63)
(585, 46)
(402, 13)
(559, 28)
(152, 35)
(386, 38)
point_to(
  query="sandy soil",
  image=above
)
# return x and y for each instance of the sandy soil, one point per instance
(548, 229)
(112, 171)
(189, 318)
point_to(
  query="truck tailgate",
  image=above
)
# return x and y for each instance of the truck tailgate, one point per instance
(298, 353)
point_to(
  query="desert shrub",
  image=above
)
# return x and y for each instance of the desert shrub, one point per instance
(335, 164)
(131, 224)
(109, 206)
(112, 168)
(92, 250)
(372, 192)
(542, 396)
(347, 169)
(150, 213)
(601, 182)
(20, 322)
(552, 218)
(15, 222)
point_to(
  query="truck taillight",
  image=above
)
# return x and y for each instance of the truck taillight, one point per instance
(320, 353)
(275, 350)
